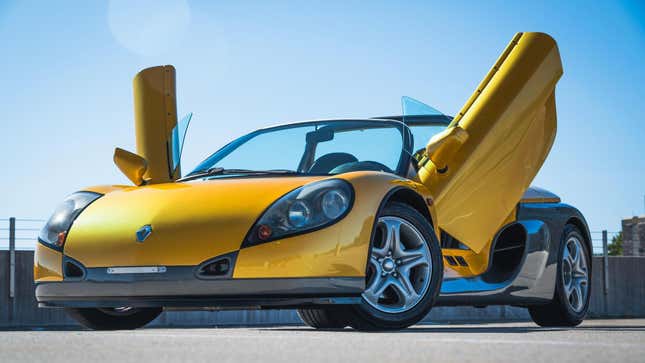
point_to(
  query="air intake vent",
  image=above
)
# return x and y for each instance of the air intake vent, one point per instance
(451, 261)
(218, 267)
(507, 253)
(461, 261)
(73, 270)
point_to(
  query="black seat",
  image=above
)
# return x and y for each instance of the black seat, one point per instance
(327, 162)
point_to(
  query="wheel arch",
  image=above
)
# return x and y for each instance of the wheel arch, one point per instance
(584, 229)
(406, 195)
(411, 198)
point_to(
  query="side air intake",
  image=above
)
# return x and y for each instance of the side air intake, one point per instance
(507, 252)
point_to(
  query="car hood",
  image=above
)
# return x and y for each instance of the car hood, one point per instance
(191, 222)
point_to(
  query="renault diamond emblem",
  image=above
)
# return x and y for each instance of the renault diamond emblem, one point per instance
(144, 232)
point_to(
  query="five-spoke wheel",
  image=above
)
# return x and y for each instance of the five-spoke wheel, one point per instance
(404, 272)
(400, 266)
(575, 276)
(571, 298)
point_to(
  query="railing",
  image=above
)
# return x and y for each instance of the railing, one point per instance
(600, 240)
(23, 230)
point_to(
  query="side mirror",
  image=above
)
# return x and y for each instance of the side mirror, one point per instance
(131, 165)
(444, 145)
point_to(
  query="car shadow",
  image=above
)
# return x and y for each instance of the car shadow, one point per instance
(455, 327)
(479, 328)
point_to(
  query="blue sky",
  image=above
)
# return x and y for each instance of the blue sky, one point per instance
(67, 68)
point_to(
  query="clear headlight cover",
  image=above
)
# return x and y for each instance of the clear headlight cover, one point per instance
(307, 208)
(55, 231)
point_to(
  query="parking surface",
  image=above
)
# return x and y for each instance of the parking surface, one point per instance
(594, 341)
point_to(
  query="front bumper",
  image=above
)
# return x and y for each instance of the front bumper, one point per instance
(197, 293)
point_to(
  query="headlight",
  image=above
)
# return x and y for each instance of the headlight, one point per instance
(55, 231)
(310, 207)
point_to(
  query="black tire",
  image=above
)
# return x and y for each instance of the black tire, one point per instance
(325, 318)
(111, 319)
(559, 313)
(367, 318)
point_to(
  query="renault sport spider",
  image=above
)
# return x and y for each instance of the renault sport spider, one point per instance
(367, 223)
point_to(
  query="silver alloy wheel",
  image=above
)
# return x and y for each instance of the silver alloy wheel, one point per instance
(575, 275)
(400, 266)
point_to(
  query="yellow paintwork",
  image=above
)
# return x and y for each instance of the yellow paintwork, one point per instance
(131, 165)
(338, 250)
(540, 200)
(155, 115)
(477, 262)
(443, 146)
(104, 189)
(193, 222)
(511, 123)
(48, 264)
(472, 177)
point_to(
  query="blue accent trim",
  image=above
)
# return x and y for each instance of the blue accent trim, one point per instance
(471, 284)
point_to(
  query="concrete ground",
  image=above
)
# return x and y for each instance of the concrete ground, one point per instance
(594, 341)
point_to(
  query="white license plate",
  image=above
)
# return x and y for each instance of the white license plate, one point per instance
(137, 270)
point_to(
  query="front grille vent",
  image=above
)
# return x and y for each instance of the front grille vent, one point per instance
(73, 270)
(451, 261)
(461, 261)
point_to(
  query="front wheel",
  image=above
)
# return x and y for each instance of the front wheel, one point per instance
(125, 318)
(573, 286)
(334, 317)
(404, 272)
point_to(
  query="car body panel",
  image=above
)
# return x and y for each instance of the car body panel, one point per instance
(191, 222)
(510, 123)
(48, 264)
(340, 249)
(533, 282)
(539, 195)
(476, 263)
(196, 221)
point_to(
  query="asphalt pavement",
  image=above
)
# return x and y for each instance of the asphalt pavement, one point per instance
(594, 341)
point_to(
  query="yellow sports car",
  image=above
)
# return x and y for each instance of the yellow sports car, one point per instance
(354, 222)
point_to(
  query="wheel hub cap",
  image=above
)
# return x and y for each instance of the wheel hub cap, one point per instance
(388, 265)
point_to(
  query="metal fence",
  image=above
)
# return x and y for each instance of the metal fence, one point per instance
(600, 240)
(23, 232)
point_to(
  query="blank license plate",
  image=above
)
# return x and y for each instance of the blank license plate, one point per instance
(137, 270)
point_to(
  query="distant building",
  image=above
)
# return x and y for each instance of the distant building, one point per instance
(634, 236)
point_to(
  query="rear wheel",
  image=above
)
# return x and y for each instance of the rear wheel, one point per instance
(125, 318)
(404, 273)
(571, 301)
